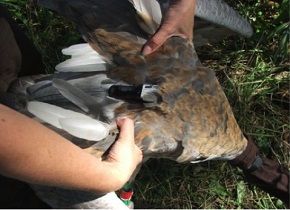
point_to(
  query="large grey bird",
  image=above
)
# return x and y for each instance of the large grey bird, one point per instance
(178, 106)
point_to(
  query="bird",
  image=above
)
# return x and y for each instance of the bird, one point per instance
(179, 108)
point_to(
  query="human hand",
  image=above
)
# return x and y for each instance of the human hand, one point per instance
(178, 21)
(124, 156)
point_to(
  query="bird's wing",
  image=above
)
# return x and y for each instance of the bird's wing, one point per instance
(219, 19)
(183, 86)
(179, 108)
(190, 119)
(120, 15)
(214, 20)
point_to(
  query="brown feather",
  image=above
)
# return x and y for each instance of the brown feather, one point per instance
(192, 119)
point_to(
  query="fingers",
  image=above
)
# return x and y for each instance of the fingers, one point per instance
(178, 21)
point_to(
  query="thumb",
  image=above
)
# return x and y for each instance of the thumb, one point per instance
(126, 127)
(155, 42)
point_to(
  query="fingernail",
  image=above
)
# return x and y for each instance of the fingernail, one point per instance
(120, 119)
(146, 50)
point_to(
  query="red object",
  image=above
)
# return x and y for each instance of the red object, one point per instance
(126, 195)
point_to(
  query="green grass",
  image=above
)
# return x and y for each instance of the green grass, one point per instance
(255, 76)
(165, 184)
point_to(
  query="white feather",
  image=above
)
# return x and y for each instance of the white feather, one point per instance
(83, 59)
(85, 63)
(77, 124)
(51, 113)
(78, 49)
(88, 129)
(150, 12)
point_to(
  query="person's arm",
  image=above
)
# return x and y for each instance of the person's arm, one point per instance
(264, 173)
(32, 153)
(178, 21)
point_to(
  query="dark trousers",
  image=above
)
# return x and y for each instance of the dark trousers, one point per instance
(18, 56)
(31, 62)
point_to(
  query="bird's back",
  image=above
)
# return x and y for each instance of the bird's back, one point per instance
(187, 116)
